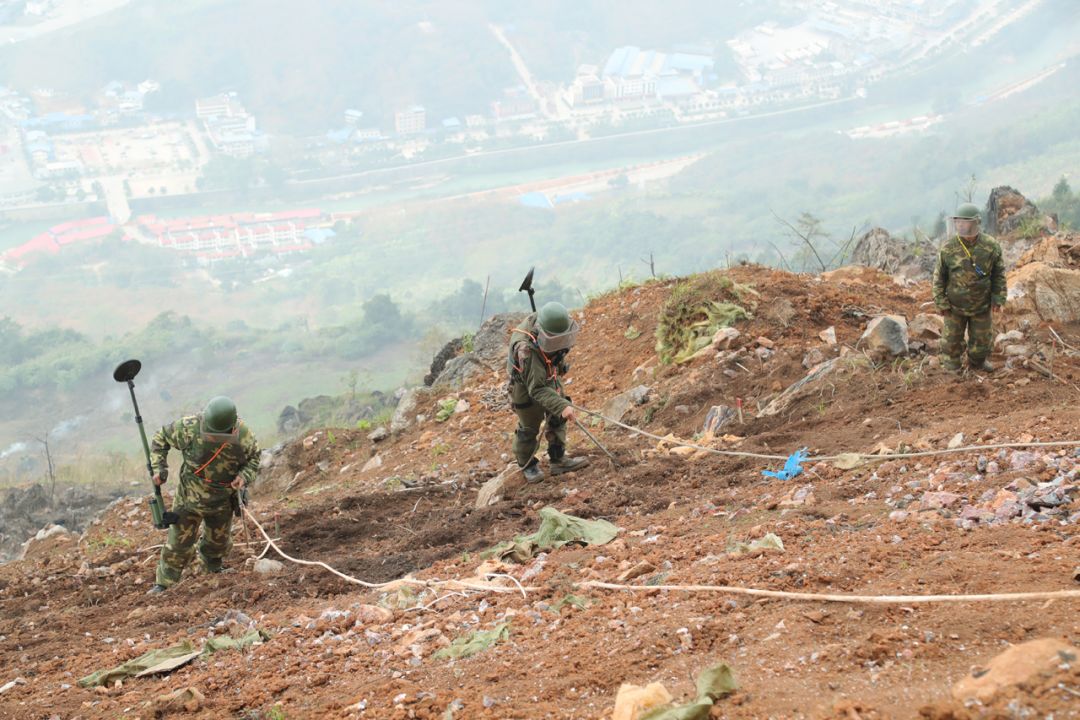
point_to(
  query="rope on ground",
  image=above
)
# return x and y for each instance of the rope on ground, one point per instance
(682, 443)
(827, 458)
(853, 599)
(376, 586)
(727, 589)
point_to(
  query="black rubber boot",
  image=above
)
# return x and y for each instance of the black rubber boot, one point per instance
(567, 464)
(532, 472)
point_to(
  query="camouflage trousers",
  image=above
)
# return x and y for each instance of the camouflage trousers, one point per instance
(180, 546)
(527, 435)
(980, 338)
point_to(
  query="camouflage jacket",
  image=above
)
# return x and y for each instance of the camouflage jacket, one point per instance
(958, 285)
(532, 373)
(210, 463)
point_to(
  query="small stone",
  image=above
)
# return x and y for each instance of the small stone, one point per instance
(724, 337)
(828, 336)
(1013, 336)
(266, 566)
(379, 434)
(939, 500)
(373, 464)
(813, 358)
(956, 441)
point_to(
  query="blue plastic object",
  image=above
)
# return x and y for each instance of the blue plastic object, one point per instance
(792, 467)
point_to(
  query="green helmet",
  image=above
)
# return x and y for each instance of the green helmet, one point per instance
(967, 211)
(219, 416)
(553, 318)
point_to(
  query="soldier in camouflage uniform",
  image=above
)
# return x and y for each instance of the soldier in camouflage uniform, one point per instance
(538, 348)
(969, 284)
(220, 458)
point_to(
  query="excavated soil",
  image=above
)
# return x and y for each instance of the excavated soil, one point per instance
(76, 607)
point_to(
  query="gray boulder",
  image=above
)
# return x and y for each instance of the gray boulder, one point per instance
(887, 334)
(405, 413)
(877, 248)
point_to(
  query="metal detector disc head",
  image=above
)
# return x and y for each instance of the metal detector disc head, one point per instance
(126, 371)
(526, 284)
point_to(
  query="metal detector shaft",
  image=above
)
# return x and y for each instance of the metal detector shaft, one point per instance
(597, 443)
(142, 433)
(126, 373)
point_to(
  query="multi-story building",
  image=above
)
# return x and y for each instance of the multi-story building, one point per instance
(219, 106)
(217, 237)
(410, 121)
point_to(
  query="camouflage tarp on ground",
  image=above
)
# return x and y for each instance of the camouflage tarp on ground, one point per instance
(556, 529)
(170, 658)
(474, 643)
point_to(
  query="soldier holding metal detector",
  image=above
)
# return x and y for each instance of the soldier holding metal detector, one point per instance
(220, 458)
(536, 359)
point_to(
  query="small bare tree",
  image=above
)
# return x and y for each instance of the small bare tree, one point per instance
(967, 193)
(44, 440)
(651, 263)
(807, 231)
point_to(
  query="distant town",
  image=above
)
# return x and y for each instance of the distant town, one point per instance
(57, 149)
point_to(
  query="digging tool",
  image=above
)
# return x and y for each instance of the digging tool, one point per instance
(526, 286)
(125, 373)
(597, 443)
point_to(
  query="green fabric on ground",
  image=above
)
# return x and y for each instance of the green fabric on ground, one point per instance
(143, 662)
(474, 643)
(226, 642)
(712, 684)
(170, 658)
(556, 529)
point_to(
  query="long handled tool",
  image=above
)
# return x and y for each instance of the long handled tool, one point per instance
(597, 443)
(125, 372)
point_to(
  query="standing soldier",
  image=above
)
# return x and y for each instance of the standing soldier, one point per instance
(538, 348)
(969, 283)
(221, 458)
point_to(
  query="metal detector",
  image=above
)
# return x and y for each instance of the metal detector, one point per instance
(125, 372)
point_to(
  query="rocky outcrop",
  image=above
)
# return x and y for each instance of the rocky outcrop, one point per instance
(486, 352)
(1007, 210)
(438, 363)
(1051, 293)
(25, 511)
(405, 414)
(323, 410)
(878, 249)
(1046, 281)
(1016, 222)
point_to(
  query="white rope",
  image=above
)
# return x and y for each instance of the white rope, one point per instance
(826, 597)
(376, 586)
(826, 458)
